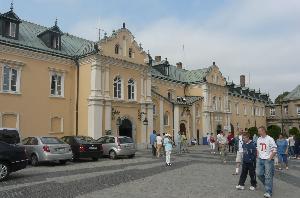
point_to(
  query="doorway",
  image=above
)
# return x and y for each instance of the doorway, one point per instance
(125, 128)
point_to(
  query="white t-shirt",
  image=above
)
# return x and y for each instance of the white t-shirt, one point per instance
(241, 150)
(219, 138)
(291, 141)
(265, 146)
(158, 140)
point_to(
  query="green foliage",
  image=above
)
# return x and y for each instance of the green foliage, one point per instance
(280, 97)
(294, 131)
(274, 131)
(252, 131)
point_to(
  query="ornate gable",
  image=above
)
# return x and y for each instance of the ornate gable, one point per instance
(122, 45)
(214, 76)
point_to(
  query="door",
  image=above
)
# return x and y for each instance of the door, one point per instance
(125, 128)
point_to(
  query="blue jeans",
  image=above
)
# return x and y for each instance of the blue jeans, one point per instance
(265, 173)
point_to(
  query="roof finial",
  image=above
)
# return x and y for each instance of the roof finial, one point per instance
(55, 21)
(12, 5)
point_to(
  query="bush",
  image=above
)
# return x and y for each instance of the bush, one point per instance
(274, 131)
(294, 131)
(252, 131)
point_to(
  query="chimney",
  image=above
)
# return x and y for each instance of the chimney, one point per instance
(124, 26)
(242, 80)
(157, 58)
(179, 65)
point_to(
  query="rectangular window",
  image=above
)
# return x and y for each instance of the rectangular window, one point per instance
(286, 110)
(154, 109)
(10, 79)
(57, 83)
(298, 110)
(272, 112)
(12, 29)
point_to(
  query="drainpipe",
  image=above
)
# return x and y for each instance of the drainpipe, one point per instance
(173, 121)
(76, 59)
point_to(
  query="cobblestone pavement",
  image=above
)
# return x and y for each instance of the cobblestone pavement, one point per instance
(196, 174)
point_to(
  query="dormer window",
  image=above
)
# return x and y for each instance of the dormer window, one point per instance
(10, 29)
(167, 70)
(52, 37)
(55, 42)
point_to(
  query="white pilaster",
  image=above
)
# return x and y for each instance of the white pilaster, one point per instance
(144, 139)
(176, 121)
(96, 78)
(106, 82)
(148, 93)
(194, 121)
(142, 89)
(107, 115)
(150, 120)
(161, 115)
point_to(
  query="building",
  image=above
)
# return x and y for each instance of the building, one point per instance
(286, 114)
(54, 83)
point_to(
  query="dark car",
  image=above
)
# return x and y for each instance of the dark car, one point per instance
(84, 147)
(12, 156)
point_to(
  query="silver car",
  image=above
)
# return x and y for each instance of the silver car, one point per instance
(115, 146)
(47, 149)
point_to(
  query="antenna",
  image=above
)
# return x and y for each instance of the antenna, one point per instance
(183, 56)
(99, 30)
(249, 80)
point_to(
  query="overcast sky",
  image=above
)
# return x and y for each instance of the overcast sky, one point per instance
(260, 38)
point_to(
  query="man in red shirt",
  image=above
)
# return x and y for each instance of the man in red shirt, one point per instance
(230, 141)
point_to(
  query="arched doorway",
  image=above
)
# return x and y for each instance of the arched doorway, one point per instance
(219, 128)
(125, 129)
(182, 128)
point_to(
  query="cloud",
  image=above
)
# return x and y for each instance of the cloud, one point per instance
(260, 37)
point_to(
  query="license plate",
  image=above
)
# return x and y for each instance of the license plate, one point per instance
(93, 148)
(60, 149)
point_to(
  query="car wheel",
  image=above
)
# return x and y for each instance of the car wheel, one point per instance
(112, 155)
(34, 160)
(4, 171)
(95, 159)
(131, 156)
(62, 162)
(74, 158)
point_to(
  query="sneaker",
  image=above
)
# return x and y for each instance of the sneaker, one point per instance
(252, 188)
(235, 173)
(286, 168)
(267, 195)
(239, 187)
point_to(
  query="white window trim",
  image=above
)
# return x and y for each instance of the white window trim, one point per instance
(61, 125)
(62, 74)
(298, 111)
(122, 88)
(134, 90)
(10, 113)
(18, 83)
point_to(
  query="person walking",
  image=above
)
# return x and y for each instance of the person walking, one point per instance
(153, 142)
(230, 140)
(184, 143)
(207, 138)
(179, 144)
(223, 143)
(249, 160)
(212, 143)
(158, 145)
(239, 152)
(163, 146)
(266, 150)
(282, 152)
(291, 146)
(168, 143)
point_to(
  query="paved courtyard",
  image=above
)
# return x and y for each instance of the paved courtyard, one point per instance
(197, 174)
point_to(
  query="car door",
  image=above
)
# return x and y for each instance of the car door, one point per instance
(27, 144)
(104, 145)
(111, 143)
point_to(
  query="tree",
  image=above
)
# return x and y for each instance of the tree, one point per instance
(274, 131)
(252, 131)
(294, 131)
(280, 97)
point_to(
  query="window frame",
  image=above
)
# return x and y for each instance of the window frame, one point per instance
(117, 49)
(166, 119)
(17, 79)
(272, 112)
(131, 89)
(298, 110)
(118, 88)
(62, 84)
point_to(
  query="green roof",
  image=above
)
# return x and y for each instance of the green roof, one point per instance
(293, 95)
(28, 38)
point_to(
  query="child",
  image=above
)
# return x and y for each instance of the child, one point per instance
(168, 143)
(282, 151)
(249, 160)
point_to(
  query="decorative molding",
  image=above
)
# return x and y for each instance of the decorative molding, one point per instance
(12, 62)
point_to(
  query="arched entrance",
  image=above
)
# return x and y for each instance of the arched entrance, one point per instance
(182, 128)
(125, 129)
(219, 128)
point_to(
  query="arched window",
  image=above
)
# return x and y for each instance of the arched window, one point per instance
(169, 96)
(166, 119)
(117, 87)
(131, 89)
(117, 49)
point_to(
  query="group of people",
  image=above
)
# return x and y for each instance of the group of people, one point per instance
(256, 156)
(163, 144)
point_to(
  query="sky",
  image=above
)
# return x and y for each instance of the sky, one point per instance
(257, 38)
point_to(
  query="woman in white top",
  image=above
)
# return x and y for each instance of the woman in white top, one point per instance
(158, 144)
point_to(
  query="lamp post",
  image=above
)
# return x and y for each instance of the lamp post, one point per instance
(119, 122)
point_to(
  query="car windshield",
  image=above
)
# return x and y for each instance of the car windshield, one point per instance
(51, 140)
(9, 136)
(84, 140)
(125, 140)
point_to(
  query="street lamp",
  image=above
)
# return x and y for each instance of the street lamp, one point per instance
(119, 122)
(145, 122)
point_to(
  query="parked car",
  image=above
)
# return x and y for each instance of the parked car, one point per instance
(84, 147)
(12, 155)
(47, 149)
(115, 146)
